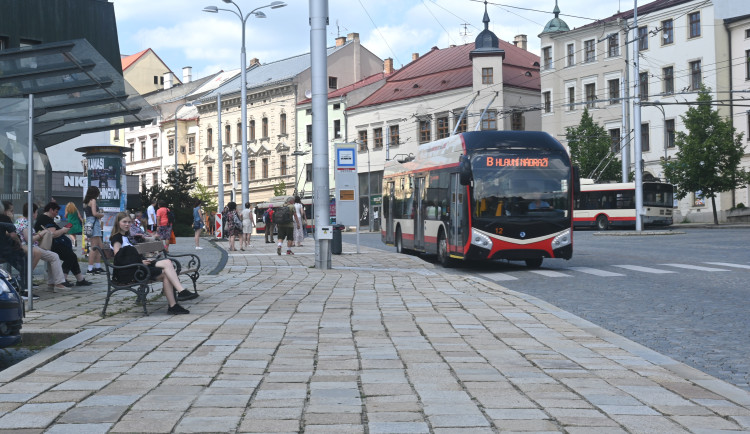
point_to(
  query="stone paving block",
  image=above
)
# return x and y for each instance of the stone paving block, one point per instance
(88, 428)
(312, 419)
(655, 424)
(61, 396)
(459, 421)
(176, 403)
(93, 415)
(268, 426)
(190, 424)
(337, 428)
(705, 423)
(147, 422)
(398, 427)
(16, 420)
(223, 400)
(517, 413)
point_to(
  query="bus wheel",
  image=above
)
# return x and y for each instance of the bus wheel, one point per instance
(443, 255)
(399, 242)
(534, 262)
(602, 223)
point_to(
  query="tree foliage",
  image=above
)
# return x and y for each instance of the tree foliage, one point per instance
(708, 156)
(590, 148)
(207, 197)
(280, 189)
(177, 193)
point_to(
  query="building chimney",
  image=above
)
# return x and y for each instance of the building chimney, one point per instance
(388, 66)
(167, 80)
(414, 56)
(187, 74)
(254, 61)
(352, 37)
(341, 40)
(520, 41)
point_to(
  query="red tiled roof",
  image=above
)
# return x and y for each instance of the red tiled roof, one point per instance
(127, 61)
(450, 68)
(354, 86)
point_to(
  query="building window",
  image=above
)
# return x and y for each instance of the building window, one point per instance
(362, 140)
(377, 138)
(695, 75)
(393, 135)
(645, 146)
(209, 175)
(228, 135)
(547, 101)
(695, 24)
(487, 75)
(227, 173)
(643, 86)
(252, 130)
(333, 83)
(670, 133)
(668, 79)
(117, 135)
(425, 133)
(282, 123)
(547, 58)
(239, 171)
(516, 121)
(252, 169)
(337, 106)
(337, 128)
(264, 168)
(614, 90)
(571, 55)
(614, 136)
(155, 178)
(239, 132)
(156, 79)
(489, 120)
(132, 151)
(667, 32)
(443, 127)
(171, 146)
(264, 128)
(209, 138)
(613, 45)
(143, 150)
(747, 65)
(463, 125)
(191, 145)
(571, 98)
(589, 50)
(590, 95)
(642, 38)
(154, 148)
(308, 133)
(282, 165)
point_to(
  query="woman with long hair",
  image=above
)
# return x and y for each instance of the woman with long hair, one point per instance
(248, 223)
(197, 223)
(161, 270)
(93, 220)
(234, 225)
(299, 230)
(73, 216)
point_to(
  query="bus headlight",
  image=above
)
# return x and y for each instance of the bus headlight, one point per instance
(562, 240)
(479, 239)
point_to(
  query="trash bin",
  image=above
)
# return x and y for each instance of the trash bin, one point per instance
(336, 242)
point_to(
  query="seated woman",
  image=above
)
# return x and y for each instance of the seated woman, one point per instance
(162, 270)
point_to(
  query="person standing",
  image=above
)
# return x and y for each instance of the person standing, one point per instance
(73, 216)
(248, 223)
(234, 225)
(212, 223)
(60, 243)
(197, 224)
(93, 220)
(151, 214)
(164, 226)
(268, 222)
(286, 222)
(299, 230)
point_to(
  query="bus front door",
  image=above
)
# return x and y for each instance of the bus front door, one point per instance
(418, 218)
(455, 241)
(388, 213)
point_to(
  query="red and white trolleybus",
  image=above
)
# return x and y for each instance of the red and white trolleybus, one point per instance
(482, 195)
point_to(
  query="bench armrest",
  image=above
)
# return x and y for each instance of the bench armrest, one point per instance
(194, 262)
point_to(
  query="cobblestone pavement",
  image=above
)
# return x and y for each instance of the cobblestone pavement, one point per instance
(380, 343)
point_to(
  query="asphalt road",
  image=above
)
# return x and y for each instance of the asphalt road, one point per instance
(685, 295)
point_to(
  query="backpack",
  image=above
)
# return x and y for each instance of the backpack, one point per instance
(267, 216)
(283, 215)
(170, 217)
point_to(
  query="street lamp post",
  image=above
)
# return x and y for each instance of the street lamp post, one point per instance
(660, 106)
(243, 79)
(187, 104)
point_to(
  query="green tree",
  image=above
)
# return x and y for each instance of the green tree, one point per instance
(155, 192)
(207, 197)
(591, 149)
(177, 193)
(709, 154)
(280, 189)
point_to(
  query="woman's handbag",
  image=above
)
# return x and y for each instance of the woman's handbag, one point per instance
(88, 226)
(172, 239)
(46, 242)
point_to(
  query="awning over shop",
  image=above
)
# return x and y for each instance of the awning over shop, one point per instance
(76, 91)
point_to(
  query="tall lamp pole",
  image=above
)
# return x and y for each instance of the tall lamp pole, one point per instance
(243, 67)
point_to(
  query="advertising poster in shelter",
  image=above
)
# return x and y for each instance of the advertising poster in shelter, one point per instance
(108, 174)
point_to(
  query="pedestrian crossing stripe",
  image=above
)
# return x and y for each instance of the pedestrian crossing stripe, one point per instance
(727, 264)
(550, 273)
(596, 272)
(645, 269)
(695, 267)
(498, 276)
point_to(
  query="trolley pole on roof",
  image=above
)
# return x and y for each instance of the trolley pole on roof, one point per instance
(321, 190)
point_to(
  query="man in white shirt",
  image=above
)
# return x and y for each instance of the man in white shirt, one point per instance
(151, 213)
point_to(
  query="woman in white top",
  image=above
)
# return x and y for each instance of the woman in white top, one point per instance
(299, 230)
(248, 223)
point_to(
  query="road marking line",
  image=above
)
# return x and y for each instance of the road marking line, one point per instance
(644, 269)
(595, 271)
(727, 264)
(550, 273)
(695, 267)
(498, 276)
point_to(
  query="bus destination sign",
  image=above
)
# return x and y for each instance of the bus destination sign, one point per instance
(516, 162)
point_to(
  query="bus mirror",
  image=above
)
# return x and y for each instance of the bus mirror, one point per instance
(464, 171)
(576, 181)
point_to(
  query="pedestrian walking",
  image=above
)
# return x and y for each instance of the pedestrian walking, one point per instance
(299, 230)
(286, 221)
(197, 224)
(151, 214)
(93, 228)
(268, 222)
(73, 216)
(234, 225)
(164, 223)
(248, 223)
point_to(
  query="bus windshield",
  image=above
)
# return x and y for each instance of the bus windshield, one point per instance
(658, 194)
(520, 184)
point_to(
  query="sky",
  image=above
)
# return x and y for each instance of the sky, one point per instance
(181, 34)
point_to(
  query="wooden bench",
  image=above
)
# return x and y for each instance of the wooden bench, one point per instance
(141, 285)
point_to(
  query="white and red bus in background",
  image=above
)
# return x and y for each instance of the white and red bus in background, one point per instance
(260, 226)
(481, 196)
(613, 204)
